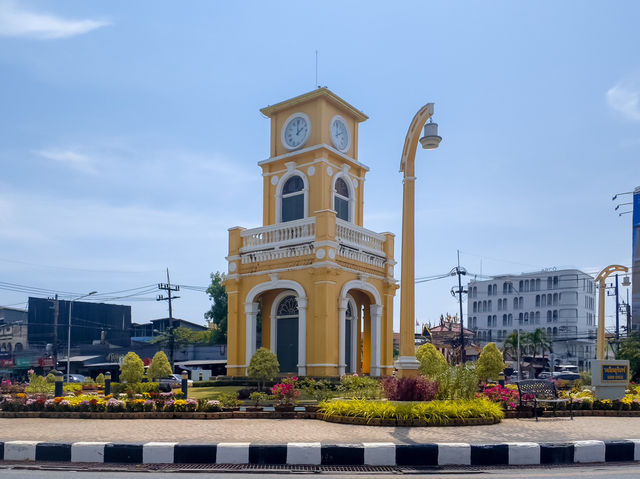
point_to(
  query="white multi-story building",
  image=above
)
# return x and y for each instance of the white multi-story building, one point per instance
(563, 303)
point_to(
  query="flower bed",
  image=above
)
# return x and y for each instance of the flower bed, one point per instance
(431, 413)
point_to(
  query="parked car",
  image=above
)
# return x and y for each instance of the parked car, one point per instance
(544, 375)
(73, 378)
(174, 381)
(567, 377)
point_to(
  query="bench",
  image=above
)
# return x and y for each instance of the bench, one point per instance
(538, 391)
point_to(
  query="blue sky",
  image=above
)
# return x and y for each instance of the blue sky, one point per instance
(130, 134)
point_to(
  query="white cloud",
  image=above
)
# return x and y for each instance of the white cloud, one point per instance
(71, 159)
(625, 99)
(18, 22)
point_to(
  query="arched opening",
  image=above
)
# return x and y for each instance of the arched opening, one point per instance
(349, 336)
(287, 334)
(292, 202)
(342, 200)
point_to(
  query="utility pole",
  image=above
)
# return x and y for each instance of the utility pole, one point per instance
(459, 272)
(168, 287)
(56, 312)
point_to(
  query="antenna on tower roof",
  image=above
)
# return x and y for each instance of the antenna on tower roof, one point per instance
(317, 84)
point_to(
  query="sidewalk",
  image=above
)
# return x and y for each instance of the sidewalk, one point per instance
(282, 431)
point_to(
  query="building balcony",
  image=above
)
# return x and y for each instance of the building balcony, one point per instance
(302, 240)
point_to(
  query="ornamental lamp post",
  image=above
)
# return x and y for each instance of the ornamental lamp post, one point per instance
(601, 346)
(407, 362)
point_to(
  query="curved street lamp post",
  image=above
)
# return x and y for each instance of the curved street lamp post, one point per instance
(407, 362)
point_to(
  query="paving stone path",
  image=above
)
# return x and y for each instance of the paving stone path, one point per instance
(272, 431)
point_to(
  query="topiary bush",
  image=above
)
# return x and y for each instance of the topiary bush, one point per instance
(263, 367)
(432, 362)
(490, 363)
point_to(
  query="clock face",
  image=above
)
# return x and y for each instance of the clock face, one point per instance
(296, 131)
(340, 134)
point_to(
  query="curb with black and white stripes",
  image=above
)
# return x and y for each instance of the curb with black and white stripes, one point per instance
(315, 453)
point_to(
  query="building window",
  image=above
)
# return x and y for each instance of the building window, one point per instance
(293, 199)
(537, 300)
(555, 316)
(489, 305)
(489, 289)
(538, 284)
(515, 303)
(510, 319)
(526, 285)
(526, 318)
(341, 202)
(504, 288)
(543, 303)
(549, 282)
(555, 299)
(521, 286)
(475, 306)
(504, 320)
(495, 289)
(537, 317)
(520, 318)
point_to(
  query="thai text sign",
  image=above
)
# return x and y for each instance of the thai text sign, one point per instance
(614, 372)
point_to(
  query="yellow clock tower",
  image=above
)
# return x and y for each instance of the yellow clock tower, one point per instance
(321, 284)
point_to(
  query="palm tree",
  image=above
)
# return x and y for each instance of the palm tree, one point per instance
(510, 346)
(539, 341)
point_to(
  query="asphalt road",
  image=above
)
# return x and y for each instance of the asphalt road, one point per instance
(627, 471)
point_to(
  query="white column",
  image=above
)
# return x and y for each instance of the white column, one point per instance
(376, 317)
(302, 336)
(355, 334)
(251, 312)
(342, 310)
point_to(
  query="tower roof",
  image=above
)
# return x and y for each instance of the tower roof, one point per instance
(320, 92)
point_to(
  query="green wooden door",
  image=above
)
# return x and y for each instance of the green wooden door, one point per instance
(287, 344)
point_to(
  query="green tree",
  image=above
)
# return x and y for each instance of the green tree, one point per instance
(100, 379)
(510, 346)
(539, 342)
(132, 369)
(432, 362)
(630, 350)
(264, 366)
(490, 362)
(217, 315)
(159, 367)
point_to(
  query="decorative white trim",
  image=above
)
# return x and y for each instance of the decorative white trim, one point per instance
(316, 161)
(347, 129)
(363, 285)
(251, 314)
(302, 313)
(306, 118)
(329, 171)
(332, 253)
(376, 338)
(313, 148)
(322, 365)
(320, 253)
(274, 180)
(232, 266)
(311, 170)
(319, 264)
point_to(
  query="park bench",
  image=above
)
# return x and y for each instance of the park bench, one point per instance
(537, 391)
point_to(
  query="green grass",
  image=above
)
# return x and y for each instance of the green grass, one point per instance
(212, 392)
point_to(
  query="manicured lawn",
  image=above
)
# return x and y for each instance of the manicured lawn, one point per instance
(211, 392)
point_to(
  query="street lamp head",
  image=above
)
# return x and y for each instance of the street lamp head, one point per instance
(430, 140)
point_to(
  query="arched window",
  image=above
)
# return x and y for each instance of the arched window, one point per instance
(526, 318)
(520, 318)
(504, 288)
(555, 331)
(510, 319)
(548, 331)
(504, 319)
(537, 317)
(475, 306)
(521, 285)
(495, 289)
(489, 289)
(515, 303)
(526, 285)
(555, 315)
(555, 299)
(544, 300)
(549, 316)
(287, 334)
(538, 284)
(489, 305)
(341, 201)
(537, 300)
(292, 199)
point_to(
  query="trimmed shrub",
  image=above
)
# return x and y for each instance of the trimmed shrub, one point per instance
(359, 387)
(458, 382)
(490, 363)
(409, 389)
(132, 369)
(159, 367)
(432, 362)
(264, 366)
